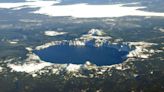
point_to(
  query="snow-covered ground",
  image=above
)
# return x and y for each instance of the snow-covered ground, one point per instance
(28, 68)
(93, 34)
(81, 10)
(73, 68)
(31, 65)
(141, 50)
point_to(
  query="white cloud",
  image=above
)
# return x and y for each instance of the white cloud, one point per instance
(30, 4)
(79, 10)
(89, 11)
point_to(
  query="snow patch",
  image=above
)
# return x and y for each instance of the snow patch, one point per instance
(29, 49)
(73, 68)
(54, 33)
(161, 30)
(88, 63)
(15, 41)
(46, 45)
(1, 69)
(141, 50)
(96, 32)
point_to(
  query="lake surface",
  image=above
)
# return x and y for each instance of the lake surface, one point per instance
(79, 55)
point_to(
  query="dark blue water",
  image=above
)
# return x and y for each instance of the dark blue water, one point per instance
(79, 55)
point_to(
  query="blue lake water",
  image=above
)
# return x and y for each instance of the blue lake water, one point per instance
(62, 54)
